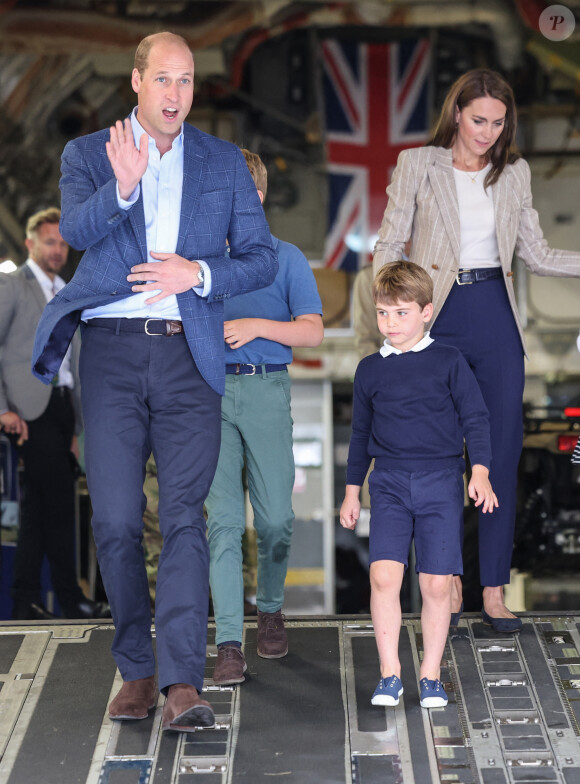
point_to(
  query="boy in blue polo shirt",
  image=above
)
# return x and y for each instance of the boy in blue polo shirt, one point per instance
(257, 431)
(414, 403)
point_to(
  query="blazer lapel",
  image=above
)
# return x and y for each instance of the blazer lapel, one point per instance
(137, 218)
(35, 287)
(440, 173)
(193, 159)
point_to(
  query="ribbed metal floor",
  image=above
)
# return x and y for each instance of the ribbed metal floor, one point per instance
(513, 714)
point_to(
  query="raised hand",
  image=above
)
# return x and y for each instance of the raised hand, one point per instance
(129, 163)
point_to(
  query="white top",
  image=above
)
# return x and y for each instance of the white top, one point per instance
(477, 220)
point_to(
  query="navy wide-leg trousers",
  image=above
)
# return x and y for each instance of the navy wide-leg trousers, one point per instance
(478, 320)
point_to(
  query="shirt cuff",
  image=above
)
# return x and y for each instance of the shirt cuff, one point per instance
(125, 205)
(204, 292)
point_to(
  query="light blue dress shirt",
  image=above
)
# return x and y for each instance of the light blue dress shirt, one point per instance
(162, 188)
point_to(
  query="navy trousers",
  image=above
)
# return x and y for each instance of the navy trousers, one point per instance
(478, 320)
(143, 393)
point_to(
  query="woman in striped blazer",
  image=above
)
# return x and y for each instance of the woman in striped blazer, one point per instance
(465, 203)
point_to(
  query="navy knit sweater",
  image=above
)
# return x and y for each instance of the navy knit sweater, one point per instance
(411, 412)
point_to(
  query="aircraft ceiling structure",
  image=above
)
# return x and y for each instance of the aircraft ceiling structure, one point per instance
(65, 65)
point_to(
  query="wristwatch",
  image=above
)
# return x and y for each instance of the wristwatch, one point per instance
(200, 276)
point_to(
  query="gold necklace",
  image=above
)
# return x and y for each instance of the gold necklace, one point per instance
(469, 174)
(473, 179)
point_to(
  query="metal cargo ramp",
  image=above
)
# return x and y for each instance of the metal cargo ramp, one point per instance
(513, 714)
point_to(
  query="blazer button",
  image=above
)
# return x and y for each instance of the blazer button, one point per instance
(510, 274)
(434, 266)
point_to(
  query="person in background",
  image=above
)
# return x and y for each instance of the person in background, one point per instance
(465, 201)
(415, 401)
(260, 330)
(153, 200)
(367, 336)
(45, 422)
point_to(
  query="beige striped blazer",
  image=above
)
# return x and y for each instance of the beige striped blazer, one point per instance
(422, 206)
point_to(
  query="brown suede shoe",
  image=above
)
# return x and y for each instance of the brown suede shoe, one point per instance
(230, 666)
(185, 711)
(272, 637)
(134, 699)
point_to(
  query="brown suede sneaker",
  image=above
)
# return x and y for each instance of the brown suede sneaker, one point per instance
(230, 666)
(134, 699)
(272, 637)
(185, 711)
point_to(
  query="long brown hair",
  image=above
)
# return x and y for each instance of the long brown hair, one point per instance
(479, 83)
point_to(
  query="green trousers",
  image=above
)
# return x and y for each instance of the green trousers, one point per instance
(257, 430)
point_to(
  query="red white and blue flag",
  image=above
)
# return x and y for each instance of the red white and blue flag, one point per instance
(376, 103)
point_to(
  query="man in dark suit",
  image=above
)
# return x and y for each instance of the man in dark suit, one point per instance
(153, 200)
(45, 420)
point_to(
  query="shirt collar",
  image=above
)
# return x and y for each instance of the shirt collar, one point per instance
(138, 131)
(386, 350)
(45, 281)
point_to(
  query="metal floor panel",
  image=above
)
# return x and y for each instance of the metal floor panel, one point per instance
(512, 717)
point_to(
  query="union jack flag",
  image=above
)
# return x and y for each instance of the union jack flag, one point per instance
(376, 102)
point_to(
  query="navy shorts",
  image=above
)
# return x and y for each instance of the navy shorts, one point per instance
(424, 505)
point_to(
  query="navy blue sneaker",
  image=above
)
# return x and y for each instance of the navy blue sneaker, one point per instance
(388, 691)
(432, 694)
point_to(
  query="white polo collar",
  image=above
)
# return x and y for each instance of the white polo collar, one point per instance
(386, 349)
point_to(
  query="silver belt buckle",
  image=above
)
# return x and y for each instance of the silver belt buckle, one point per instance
(240, 365)
(465, 283)
(152, 334)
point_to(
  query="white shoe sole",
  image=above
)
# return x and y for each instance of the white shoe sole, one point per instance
(384, 699)
(434, 702)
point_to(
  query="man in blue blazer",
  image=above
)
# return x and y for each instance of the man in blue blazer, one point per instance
(153, 201)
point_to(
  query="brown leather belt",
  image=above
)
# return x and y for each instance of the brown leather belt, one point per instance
(150, 326)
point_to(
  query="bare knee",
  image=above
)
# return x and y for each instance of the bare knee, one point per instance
(386, 576)
(436, 587)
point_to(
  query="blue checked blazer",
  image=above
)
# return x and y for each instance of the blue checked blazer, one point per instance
(219, 202)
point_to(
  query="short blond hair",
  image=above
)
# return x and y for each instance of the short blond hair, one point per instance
(403, 281)
(50, 215)
(257, 170)
(146, 45)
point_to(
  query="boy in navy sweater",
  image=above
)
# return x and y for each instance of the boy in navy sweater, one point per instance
(415, 401)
